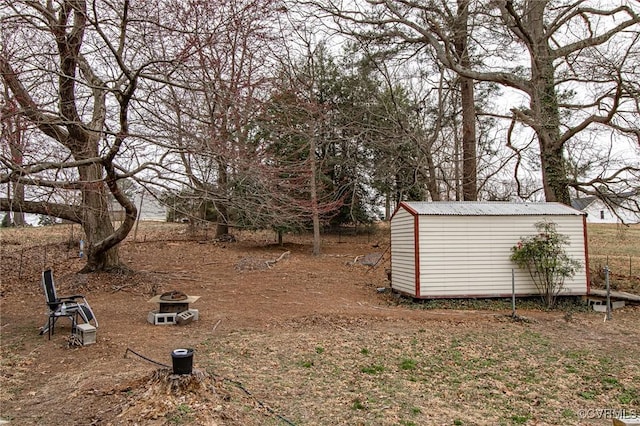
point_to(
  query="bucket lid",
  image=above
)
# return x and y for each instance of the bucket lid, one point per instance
(181, 351)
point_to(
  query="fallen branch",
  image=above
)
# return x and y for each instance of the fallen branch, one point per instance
(270, 263)
(118, 288)
(355, 261)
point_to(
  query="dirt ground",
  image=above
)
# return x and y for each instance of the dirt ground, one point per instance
(309, 340)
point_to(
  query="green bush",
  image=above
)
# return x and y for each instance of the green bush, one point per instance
(544, 257)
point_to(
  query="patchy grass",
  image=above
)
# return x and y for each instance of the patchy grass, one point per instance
(503, 373)
(22, 238)
(616, 246)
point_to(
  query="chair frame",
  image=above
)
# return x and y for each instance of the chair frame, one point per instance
(73, 307)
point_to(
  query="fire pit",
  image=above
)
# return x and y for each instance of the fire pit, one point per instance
(173, 308)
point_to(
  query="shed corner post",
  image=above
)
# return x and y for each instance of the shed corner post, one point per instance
(587, 270)
(416, 251)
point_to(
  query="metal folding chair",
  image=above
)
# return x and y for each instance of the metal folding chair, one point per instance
(73, 307)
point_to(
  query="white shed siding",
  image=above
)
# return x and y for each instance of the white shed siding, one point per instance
(469, 255)
(464, 248)
(403, 269)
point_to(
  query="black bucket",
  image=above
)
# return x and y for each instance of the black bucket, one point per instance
(182, 361)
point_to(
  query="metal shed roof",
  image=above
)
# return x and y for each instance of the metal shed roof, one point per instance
(489, 208)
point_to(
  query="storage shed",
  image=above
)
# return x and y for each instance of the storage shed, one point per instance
(463, 249)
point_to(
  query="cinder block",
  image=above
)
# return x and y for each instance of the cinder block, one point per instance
(591, 301)
(184, 318)
(617, 304)
(86, 333)
(161, 318)
(614, 305)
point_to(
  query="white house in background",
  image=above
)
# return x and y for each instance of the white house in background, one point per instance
(463, 249)
(598, 212)
(148, 208)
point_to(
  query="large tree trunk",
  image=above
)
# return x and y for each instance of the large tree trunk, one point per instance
(469, 155)
(544, 107)
(387, 206)
(17, 144)
(554, 177)
(96, 223)
(12, 132)
(18, 195)
(399, 190)
(469, 165)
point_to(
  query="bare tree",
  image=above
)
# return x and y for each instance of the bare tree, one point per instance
(389, 24)
(558, 38)
(73, 75)
(217, 92)
(297, 130)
